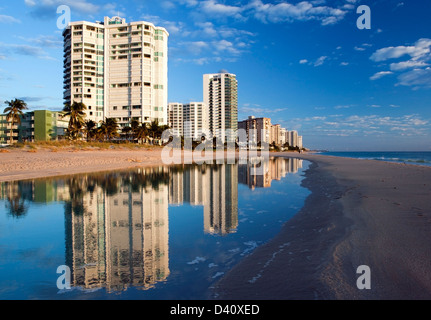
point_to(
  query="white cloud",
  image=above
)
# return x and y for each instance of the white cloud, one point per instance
(22, 49)
(257, 110)
(302, 11)
(168, 5)
(315, 118)
(45, 41)
(281, 11)
(44, 8)
(415, 70)
(8, 19)
(303, 61)
(407, 65)
(421, 48)
(11, 49)
(114, 10)
(416, 78)
(320, 61)
(211, 7)
(173, 27)
(196, 47)
(380, 74)
(225, 46)
(205, 39)
(364, 125)
(362, 47)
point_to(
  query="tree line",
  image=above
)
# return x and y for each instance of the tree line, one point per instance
(79, 128)
(108, 129)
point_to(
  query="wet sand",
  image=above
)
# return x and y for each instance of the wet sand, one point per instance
(360, 212)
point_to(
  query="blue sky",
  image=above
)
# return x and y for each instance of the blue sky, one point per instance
(304, 64)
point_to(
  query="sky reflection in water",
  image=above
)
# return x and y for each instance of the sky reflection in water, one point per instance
(149, 233)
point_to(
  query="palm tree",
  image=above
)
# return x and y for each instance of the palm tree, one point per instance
(109, 128)
(90, 129)
(126, 131)
(14, 111)
(135, 128)
(141, 133)
(134, 124)
(76, 114)
(154, 129)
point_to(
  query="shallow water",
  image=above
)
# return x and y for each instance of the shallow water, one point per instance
(422, 158)
(149, 233)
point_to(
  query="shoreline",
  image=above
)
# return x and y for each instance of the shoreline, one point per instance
(359, 212)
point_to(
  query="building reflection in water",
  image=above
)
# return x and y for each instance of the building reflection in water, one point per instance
(272, 169)
(117, 232)
(117, 223)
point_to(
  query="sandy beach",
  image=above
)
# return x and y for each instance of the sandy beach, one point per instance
(359, 212)
(22, 164)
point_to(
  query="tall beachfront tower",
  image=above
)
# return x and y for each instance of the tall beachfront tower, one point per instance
(117, 69)
(220, 92)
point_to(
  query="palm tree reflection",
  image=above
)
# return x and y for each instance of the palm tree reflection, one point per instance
(17, 194)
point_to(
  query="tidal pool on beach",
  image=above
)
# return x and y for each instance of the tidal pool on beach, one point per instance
(147, 233)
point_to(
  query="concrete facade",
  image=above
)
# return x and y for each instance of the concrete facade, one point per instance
(117, 69)
(220, 92)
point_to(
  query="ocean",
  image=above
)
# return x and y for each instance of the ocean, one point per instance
(417, 158)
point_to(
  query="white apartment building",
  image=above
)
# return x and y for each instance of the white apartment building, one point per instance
(293, 138)
(220, 92)
(175, 118)
(282, 136)
(117, 69)
(300, 146)
(195, 119)
(188, 120)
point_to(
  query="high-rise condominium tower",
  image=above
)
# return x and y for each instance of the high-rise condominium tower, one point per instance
(117, 69)
(189, 120)
(220, 92)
